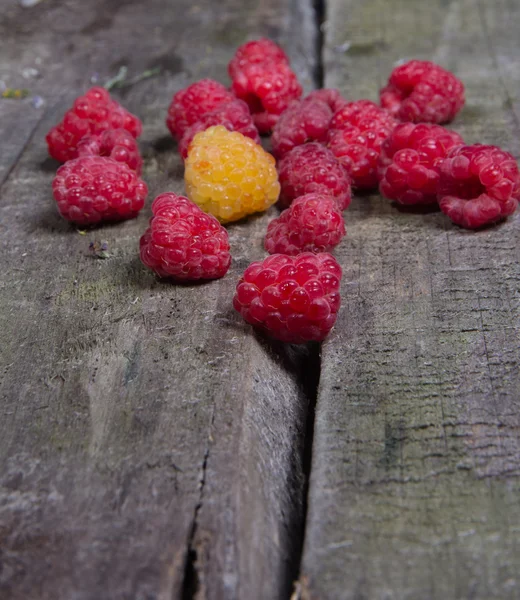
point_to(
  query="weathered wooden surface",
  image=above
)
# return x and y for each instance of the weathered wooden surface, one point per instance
(150, 445)
(416, 460)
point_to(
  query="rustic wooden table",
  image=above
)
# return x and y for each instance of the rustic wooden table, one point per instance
(151, 445)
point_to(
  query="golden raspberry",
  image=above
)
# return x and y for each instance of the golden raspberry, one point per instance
(228, 175)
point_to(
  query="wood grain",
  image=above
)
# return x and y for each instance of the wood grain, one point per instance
(416, 459)
(150, 444)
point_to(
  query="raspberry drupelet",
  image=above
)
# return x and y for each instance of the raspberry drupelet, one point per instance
(302, 122)
(118, 144)
(293, 299)
(190, 104)
(479, 185)
(356, 134)
(312, 168)
(91, 114)
(410, 162)
(184, 243)
(423, 91)
(92, 189)
(256, 52)
(313, 223)
(233, 115)
(351, 112)
(228, 175)
(268, 88)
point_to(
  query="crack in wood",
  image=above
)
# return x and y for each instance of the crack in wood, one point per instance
(311, 383)
(191, 585)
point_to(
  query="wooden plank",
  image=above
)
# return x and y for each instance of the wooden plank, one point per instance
(150, 445)
(416, 457)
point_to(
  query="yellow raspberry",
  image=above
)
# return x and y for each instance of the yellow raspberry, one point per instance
(228, 175)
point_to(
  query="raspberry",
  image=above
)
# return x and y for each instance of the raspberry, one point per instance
(119, 144)
(293, 299)
(228, 175)
(312, 168)
(191, 103)
(268, 88)
(410, 162)
(313, 223)
(302, 122)
(355, 137)
(255, 52)
(423, 91)
(332, 98)
(91, 189)
(91, 114)
(183, 242)
(478, 185)
(234, 116)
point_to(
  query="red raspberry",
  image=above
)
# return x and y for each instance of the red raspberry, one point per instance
(355, 137)
(191, 103)
(332, 98)
(293, 299)
(478, 185)
(119, 144)
(312, 223)
(234, 116)
(268, 88)
(91, 189)
(183, 242)
(255, 52)
(312, 168)
(302, 122)
(411, 159)
(423, 91)
(91, 114)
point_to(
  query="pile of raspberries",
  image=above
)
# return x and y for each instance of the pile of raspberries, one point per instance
(324, 145)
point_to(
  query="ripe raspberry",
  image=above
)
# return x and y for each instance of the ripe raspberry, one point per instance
(302, 122)
(355, 137)
(183, 242)
(234, 116)
(91, 189)
(423, 91)
(332, 98)
(411, 159)
(255, 52)
(268, 88)
(312, 168)
(118, 144)
(478, 185)
(293, 299)
(191, 103)
(91, 114)
(313, 223)
(228, 175)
